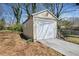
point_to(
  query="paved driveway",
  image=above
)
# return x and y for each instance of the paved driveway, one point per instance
(66, 48)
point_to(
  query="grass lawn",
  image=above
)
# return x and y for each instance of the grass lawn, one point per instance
(73, 39)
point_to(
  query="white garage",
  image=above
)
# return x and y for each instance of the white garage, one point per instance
(41, 26)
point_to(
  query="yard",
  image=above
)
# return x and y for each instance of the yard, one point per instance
(73, 39)
(11, 44)
(71, 36)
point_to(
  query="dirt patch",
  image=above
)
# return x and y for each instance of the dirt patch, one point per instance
(11, 44)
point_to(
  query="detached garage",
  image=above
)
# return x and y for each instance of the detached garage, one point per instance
(41, 26)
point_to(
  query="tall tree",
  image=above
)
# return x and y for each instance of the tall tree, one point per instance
(30, 8)
(26, 8)
(17, 12)
(55, 8)
(33, 7)
(1, 9)
(59, 8)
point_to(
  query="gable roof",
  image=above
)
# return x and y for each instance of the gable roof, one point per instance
(46, 10)
(40, 13)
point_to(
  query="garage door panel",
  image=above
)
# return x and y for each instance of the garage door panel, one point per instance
(45, 30)
(50, 31)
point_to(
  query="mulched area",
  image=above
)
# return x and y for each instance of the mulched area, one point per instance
(11, 44)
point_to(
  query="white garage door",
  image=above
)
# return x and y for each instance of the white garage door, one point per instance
(46, 30)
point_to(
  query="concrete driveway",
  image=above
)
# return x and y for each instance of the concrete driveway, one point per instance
(66, 48)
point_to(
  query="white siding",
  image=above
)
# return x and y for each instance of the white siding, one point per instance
(44, 28)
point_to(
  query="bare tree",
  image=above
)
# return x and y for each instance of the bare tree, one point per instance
(55, 8)
(59, 8)
(30, 8)
(26, 8)
(17, 12)
(1, 9)
(33, 7)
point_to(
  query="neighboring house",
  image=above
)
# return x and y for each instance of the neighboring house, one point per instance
(41, 25)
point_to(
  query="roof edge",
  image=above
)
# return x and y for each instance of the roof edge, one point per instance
(39, 12)
(44, 11)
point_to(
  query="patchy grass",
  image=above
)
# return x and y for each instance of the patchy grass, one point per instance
(5, 31)
(29, 41)
(10, 31)
(73, 39)
(11, 44)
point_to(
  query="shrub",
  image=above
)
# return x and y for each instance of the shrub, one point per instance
(29, 41)
(66, 32)
(2, 24)
(16, 27)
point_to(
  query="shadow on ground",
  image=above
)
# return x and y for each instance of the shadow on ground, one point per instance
(24, 37)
